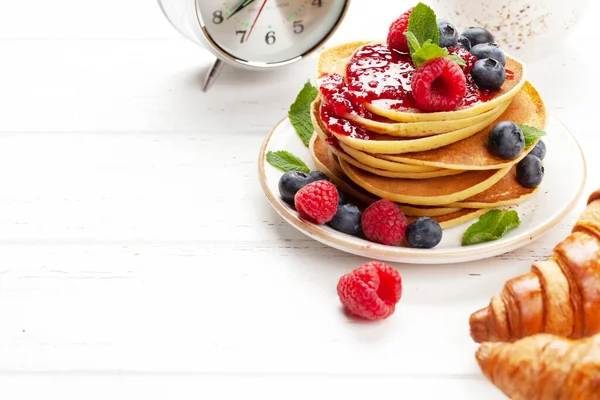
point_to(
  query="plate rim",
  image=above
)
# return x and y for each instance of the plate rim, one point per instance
(401, 254)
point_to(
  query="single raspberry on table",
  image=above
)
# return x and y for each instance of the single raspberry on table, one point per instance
(317, 201)
(384, 222)
(396, 38)
(438, 85)
(371, 291)
(467, 57)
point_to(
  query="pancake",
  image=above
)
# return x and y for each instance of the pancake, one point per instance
(504, 94)
(507, 192)
(392, 174)
(320, 155)
(384, 144)
(457, 218)
(425, 192)
(405, 174)
(433, 212)
(419, 129)
(330, 167)
(336, 59)
(380, 163)
(527, 108)
(371, 160)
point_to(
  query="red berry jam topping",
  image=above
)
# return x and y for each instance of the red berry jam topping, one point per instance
(379, 75)
(333, 141)
(474, 95)
(376, 72)
(341, 125)
(339, 102)
(467, 57)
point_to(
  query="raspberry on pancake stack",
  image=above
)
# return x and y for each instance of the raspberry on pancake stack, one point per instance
(412, 120)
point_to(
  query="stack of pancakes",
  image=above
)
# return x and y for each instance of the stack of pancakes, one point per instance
(432, 164)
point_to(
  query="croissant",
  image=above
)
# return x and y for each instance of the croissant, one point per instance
(560, 296)
(543, 366)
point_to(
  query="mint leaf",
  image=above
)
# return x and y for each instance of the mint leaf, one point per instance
(531, 134)
(413, 42)
(423, 37)
(491, 226)
(428, 51)
(286, 161)
(299, 112)
(458, 60)
(423, 24)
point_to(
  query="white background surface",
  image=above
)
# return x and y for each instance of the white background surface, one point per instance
(139, 257)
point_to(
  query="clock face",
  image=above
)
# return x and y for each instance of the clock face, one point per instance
(263, 32)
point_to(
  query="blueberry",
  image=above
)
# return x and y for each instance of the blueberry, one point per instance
(342, 196)
(489, 50)
(530, 171)
(291, 182)
(539, 150)
(478, 35)
(463, 42)
(488, 74)
(424, 233)
(319, 176)
(448, 33)
(506, 140)
(347, 219)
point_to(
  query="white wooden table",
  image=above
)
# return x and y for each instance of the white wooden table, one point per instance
(139, 257)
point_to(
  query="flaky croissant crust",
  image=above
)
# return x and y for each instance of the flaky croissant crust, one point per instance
(560, 295)
(543, 367)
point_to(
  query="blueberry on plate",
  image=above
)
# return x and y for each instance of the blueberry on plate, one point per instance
(478, 35)
(489, 50)
(539, 150)
(464, 43)
(424, 233)
(488, 74)
(530, 171)
(291, 182)
(448, 33)
(319, 176)
(347, 219)
(506, 140)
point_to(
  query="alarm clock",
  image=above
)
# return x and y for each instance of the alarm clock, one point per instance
(256, 34)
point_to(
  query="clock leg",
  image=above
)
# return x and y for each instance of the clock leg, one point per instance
(212, 74)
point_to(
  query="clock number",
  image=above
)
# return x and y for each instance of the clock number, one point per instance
(270, 38)
(298, 27)
(243, 33)
(318, 3)
(217, 17)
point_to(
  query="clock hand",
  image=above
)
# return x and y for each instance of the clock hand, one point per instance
(262, 6)
(239, 7)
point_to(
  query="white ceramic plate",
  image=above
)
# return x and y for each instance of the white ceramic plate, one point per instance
(563, 183)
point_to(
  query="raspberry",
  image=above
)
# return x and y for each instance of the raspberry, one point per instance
(396, 38)
(384, 222)
(371, 291)
(317, 201)
(438, 85)
(466, 55)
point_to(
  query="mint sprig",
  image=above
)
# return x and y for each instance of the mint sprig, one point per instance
(286, 161)
(531, 134)
(491, 226)
(423, 25)
(424, 52)
(423, 37)
(299, 112)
